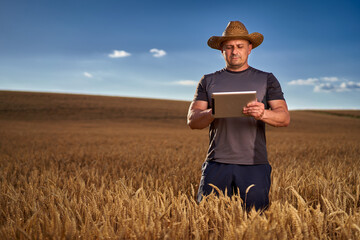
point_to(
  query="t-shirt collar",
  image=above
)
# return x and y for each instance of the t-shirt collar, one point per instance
(235, 72)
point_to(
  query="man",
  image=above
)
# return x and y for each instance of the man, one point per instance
(237, 156)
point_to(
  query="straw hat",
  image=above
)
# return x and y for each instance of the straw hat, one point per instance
(235, 30)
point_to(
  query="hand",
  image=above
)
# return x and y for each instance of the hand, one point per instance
(209, 112)
(255, 109)
(199, 116)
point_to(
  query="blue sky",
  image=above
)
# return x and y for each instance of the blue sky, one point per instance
(157, 49)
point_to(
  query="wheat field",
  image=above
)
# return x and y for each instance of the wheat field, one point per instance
(96, 167)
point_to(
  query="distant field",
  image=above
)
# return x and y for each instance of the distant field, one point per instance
(78, 166)
(340, 113)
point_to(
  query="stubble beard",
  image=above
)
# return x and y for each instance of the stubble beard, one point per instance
(235, 66)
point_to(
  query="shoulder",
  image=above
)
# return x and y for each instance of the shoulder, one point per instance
(271, 79)
(207, 78)
(257, 71)
(215, 74)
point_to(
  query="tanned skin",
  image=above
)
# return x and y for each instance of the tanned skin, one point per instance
(236, 53)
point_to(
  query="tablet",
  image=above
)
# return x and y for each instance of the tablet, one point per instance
(231, 104)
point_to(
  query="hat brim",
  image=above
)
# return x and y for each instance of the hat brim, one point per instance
(254, 38)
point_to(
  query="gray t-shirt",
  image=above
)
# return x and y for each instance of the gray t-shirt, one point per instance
(238, 140)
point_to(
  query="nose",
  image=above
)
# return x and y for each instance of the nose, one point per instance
(235, 50)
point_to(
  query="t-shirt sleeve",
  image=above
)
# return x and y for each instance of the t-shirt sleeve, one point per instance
(274, 91)
(200, 94)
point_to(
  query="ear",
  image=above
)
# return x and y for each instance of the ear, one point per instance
(250, 48)
(222, 53)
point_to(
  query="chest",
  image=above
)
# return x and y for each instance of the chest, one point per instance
(237, 83)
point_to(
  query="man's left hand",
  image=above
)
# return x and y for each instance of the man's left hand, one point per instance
(255, 109)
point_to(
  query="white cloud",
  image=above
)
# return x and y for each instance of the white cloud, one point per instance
(327, 84)
(157, 52)
(309, 81)
(343, 87)
(330, 79)
(88, 75)
(186, 83)
(119, 54)
(324, 87)
(348, 86)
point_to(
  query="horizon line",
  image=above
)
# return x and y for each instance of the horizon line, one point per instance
(150, 98)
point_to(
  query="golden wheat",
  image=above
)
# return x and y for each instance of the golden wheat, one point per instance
(100, 174)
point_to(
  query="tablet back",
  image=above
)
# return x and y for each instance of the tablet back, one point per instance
(230, 104)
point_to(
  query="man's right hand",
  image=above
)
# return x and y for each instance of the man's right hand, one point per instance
(199, 116)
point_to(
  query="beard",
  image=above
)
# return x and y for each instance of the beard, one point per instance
(235, 62)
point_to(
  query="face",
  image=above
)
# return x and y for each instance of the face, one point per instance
(236, 54)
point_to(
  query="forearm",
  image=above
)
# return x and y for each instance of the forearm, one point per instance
(276, 117)
(199, 119)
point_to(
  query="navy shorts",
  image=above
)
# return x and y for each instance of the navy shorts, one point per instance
(233, 177)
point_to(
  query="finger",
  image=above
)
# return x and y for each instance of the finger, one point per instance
(254, 107)
(251, 109)
(251, 104)
(254, 110)
(250, 113)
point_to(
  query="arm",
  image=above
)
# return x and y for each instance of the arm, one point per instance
(199, 116)
(278, 116)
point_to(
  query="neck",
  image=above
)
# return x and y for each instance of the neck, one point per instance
(238, 69)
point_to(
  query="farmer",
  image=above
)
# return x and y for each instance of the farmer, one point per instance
(237, 156)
